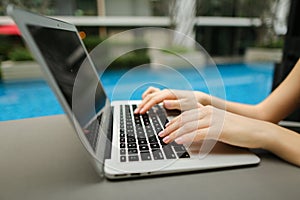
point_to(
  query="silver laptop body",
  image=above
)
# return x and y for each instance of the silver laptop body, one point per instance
(115, 151)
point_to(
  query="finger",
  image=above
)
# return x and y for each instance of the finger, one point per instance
(146, 96)
(187, 128)
(186, 117)
(192, 137)
(155, 98)
(190, 115)
(149, 91)
(182, 103)
(146, 101)
(172, 104)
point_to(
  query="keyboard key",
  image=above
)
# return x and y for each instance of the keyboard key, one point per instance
(134, 106)
(150, 135)
(169, 153)
(141, 136)
(152, 139)
(146, 119)
(122, 151)
(122, 139)
(122, 145)
(130, 135)
(154, 146)
(149, 129)
(133, 158)
(131, 140)
(158, 130)
(145, 156)
(140, 131)
(131, 145)
(162, 143)
(142, 141)
(130, 131)
(132, 151)
(183, 155)
(129, 127)
(157, 154)
(180, 148)
(123, 158)
(144, 148)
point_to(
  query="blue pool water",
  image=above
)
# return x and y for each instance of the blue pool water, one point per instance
(245, 83)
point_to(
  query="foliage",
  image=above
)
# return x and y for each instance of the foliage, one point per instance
(176, 49)
(278, 43)
(233, 8)
(54, 7)
(5, 47)
(126, 61)
(40, 6)
(92, 41)
(20, 54)
(130, 60)
(8, 44)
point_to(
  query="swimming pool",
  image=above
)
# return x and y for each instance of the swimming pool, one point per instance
(245, 83)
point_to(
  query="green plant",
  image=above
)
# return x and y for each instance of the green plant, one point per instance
(5, 47)
(176, 49)
(91, 42)
(276, 43)
(20, 54)
(126, 61)
(131, 59)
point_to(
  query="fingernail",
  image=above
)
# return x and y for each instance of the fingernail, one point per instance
(136, 111)
(166, 139)
(167, 124)
(160, 134)
(167, 103)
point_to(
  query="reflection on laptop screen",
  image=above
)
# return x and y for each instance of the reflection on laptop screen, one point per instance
(65, 57)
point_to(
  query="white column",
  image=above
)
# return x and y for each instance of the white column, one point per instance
(281, 13)
(184, 14)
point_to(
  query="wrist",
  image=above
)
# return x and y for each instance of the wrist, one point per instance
(203, 98)
(269, 136)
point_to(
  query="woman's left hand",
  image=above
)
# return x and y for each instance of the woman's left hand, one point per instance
(207, 122)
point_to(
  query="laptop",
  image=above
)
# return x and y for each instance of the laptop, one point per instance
(119, 143)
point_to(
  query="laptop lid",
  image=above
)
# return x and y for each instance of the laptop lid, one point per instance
(57, 46)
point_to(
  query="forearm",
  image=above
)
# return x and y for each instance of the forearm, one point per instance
(252, 111)
(252, 133)
(283, 142)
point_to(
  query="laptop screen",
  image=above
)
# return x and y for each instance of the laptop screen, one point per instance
(66, 59)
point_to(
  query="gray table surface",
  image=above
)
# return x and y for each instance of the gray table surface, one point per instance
(41, 158)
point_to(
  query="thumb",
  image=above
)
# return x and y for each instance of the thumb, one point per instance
(172, 104)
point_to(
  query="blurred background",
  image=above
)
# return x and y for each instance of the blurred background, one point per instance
(222, 27)
(246, 39)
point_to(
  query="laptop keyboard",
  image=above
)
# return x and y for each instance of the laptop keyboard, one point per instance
(92, 132)
(138, 136)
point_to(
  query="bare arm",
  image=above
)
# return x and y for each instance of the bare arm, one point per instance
(281, 102)
(256, 128)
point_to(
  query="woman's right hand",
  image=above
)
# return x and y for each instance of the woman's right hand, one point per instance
(171, 99)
